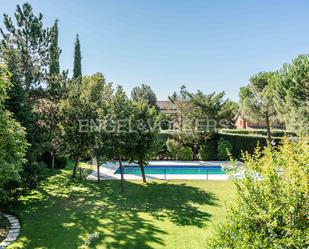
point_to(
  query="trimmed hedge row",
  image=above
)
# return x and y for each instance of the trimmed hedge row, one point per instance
(240, 143)
(245, 142)
(263, 132)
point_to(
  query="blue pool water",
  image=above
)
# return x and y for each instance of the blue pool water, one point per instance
(177, 169)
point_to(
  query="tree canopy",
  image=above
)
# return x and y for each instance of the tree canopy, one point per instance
(144, 93)
(291, 94)
(256, 99)
(13, 144)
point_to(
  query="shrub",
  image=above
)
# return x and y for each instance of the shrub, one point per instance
(172, 147)
(208, 151)
(224, 149)
(271, 212)
(32, 174)
(184, 153)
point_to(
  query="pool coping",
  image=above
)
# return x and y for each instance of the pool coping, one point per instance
(107, 171)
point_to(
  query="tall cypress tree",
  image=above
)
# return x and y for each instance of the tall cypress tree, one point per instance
(77, 70)
(54, 51)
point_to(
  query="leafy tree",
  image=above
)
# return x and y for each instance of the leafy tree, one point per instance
(98, 94)
(182, 103)
(117, 126)
(47, 108)
(208, 113)
(24, 48)
(13, 146)
(256, 101)
(145, 135)
(77, 69)
(49, 121)
(75, 115)
(144, 93)
(291, 94)
(271, 205)
(228, 114)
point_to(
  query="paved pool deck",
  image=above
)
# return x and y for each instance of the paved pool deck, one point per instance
(107, 171)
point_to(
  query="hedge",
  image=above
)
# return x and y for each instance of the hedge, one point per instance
(239, 141)
(263, 132)
(245, 142)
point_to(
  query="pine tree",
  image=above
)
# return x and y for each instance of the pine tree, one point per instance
(54, 51)
(77, 70)
(25, 50)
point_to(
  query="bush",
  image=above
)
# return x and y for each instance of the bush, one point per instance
(271, 212)
(32, 174)
(208, 151)
(184, 153)
(224, 149)
(172, 147)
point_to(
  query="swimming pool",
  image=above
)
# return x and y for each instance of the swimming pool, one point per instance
(174, 170)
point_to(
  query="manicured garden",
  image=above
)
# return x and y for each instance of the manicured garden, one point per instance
(62, 213)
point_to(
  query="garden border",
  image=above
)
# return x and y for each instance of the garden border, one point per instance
(13, 232)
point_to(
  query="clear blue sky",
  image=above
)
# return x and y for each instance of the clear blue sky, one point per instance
(206, 45)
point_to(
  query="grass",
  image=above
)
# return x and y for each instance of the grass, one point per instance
(177, 214)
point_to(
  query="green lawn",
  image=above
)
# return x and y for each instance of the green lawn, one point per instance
(175, 214)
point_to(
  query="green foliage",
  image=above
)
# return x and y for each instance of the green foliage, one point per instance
(12, 144)
(261, 132)
(25, 50)
(184, 153)
(144, 93)
(32, 174)
(271, 212)
(224, 149)
(291, 94)
(183, 106)
(119, 142)
(228, 114)
(75, 115)
(244, 142)
(54, 51)
(208, 150)
(77, 69)
(172, 147)
(256, 99)
(144, 140)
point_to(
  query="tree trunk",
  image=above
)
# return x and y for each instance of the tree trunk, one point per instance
(53, 159)
(75, 167)
(98, 169)
(268, 129)
(122, 176)
(194, 152)
(141, 165)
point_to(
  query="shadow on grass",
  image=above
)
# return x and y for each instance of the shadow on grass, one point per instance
(63, 214)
